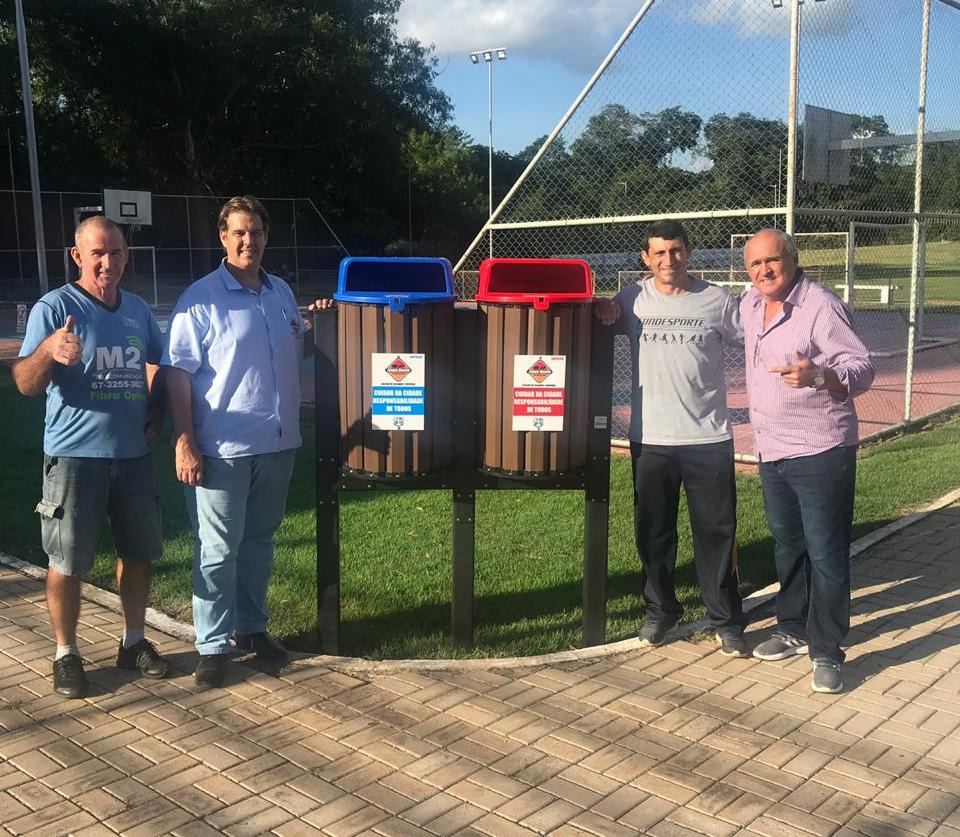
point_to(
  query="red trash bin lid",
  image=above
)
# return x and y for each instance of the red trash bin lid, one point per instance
(536, 282)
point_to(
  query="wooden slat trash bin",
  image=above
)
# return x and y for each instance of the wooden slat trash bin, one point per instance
(395, 344)
(537, 310)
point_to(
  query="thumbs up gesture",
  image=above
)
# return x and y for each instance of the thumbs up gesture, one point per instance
(64, 346)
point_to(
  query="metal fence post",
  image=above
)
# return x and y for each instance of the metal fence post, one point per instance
(917, 208)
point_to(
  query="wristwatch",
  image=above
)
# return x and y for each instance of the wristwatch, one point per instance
(819, 380)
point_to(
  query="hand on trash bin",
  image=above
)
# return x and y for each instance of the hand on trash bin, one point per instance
(606, 310)
(318, 304)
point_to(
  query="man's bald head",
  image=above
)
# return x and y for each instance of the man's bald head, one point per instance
(99, 222)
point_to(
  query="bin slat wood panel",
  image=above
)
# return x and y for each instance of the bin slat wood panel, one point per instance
(562, 344)
(374, 441)
(368, 329)
(440, 362)
(398, 441)
(536, 445)
(510, 330)
(495, 396)
(421, 329)
(581, 376)
(514, 343)
(351, 385)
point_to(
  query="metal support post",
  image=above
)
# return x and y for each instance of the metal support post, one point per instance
(327, 414)
(917, 207)
(296, 258)
(464, 484)
(792, 117)
(186, 208)
(31, 148)
(597, 484)
(851, 262)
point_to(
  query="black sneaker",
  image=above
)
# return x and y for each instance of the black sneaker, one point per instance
(733, 644)
(263, 645)
(69, 679)
(655, 633)
(210, 670)
(143, 656)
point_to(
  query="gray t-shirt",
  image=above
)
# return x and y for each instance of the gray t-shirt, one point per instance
(683, 394)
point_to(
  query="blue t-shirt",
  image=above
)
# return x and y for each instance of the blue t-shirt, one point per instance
(243, 351)
(97, 408)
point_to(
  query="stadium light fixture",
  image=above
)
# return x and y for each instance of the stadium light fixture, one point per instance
(488, 56)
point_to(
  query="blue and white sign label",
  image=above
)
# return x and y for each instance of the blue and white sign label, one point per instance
(399, 388)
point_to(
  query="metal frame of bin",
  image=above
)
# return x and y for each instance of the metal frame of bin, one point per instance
(464, 480)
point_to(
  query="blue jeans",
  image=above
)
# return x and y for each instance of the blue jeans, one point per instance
(809, 505)
(235, 515)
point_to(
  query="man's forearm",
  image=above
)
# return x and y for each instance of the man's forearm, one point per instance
(33, 373)
(179, 398)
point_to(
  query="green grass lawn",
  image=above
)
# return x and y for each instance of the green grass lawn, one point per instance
(396, 546)
(880, 264)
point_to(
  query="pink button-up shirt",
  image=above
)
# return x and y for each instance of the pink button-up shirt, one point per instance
(788, 422)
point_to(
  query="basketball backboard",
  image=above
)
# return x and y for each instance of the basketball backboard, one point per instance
(126, 206)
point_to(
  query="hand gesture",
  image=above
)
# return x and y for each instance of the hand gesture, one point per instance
(799, 374)
(64, 346)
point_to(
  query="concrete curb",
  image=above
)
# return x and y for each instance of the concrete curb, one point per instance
(173, 627)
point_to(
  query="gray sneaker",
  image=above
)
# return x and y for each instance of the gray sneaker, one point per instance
(655, 633)
(779, 647)
(826, 676)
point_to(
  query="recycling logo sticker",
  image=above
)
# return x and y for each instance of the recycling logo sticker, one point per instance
(398, 370)
(538, 392)
(398, 391)
(540, 371)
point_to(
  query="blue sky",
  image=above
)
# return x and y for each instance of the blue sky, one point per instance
(708, 56)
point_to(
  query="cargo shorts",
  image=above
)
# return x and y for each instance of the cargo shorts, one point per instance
(79, 493)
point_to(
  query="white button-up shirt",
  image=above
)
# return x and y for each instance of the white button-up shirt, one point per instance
(243, 351)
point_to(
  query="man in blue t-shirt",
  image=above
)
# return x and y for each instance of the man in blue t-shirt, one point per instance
(94, 350)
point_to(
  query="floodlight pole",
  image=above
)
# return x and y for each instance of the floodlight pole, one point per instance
(916, 269)
(792, 116)
(488, 55)
(31, 147)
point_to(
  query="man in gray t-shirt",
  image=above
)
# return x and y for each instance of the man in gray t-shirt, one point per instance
(680, 433)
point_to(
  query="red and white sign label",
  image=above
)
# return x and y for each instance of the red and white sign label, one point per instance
(538, 392)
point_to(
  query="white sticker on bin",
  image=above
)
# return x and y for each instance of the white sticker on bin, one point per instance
(398, 396)
(538, 392)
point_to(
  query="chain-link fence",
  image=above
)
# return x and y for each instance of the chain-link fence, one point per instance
(736, 115)
(180, 245)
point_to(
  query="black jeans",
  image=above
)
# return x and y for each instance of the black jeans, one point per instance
(809, 505)
(707, 476)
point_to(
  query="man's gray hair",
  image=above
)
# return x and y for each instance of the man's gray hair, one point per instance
(788, 242)
(95, 221)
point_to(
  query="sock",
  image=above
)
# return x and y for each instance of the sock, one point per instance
(63, 650)
(131, 638)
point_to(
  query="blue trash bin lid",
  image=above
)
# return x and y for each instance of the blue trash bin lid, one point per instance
(396, 282)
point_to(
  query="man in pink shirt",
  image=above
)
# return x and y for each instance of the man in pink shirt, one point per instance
(805, 364)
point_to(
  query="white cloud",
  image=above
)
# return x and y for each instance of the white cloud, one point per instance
(753, 18)
(574, 35)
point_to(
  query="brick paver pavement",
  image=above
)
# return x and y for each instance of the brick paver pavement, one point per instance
(671, 741)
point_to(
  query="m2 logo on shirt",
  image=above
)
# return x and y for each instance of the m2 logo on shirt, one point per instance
(121, 357)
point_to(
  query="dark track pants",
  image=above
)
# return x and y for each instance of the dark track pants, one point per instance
(707, 476)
